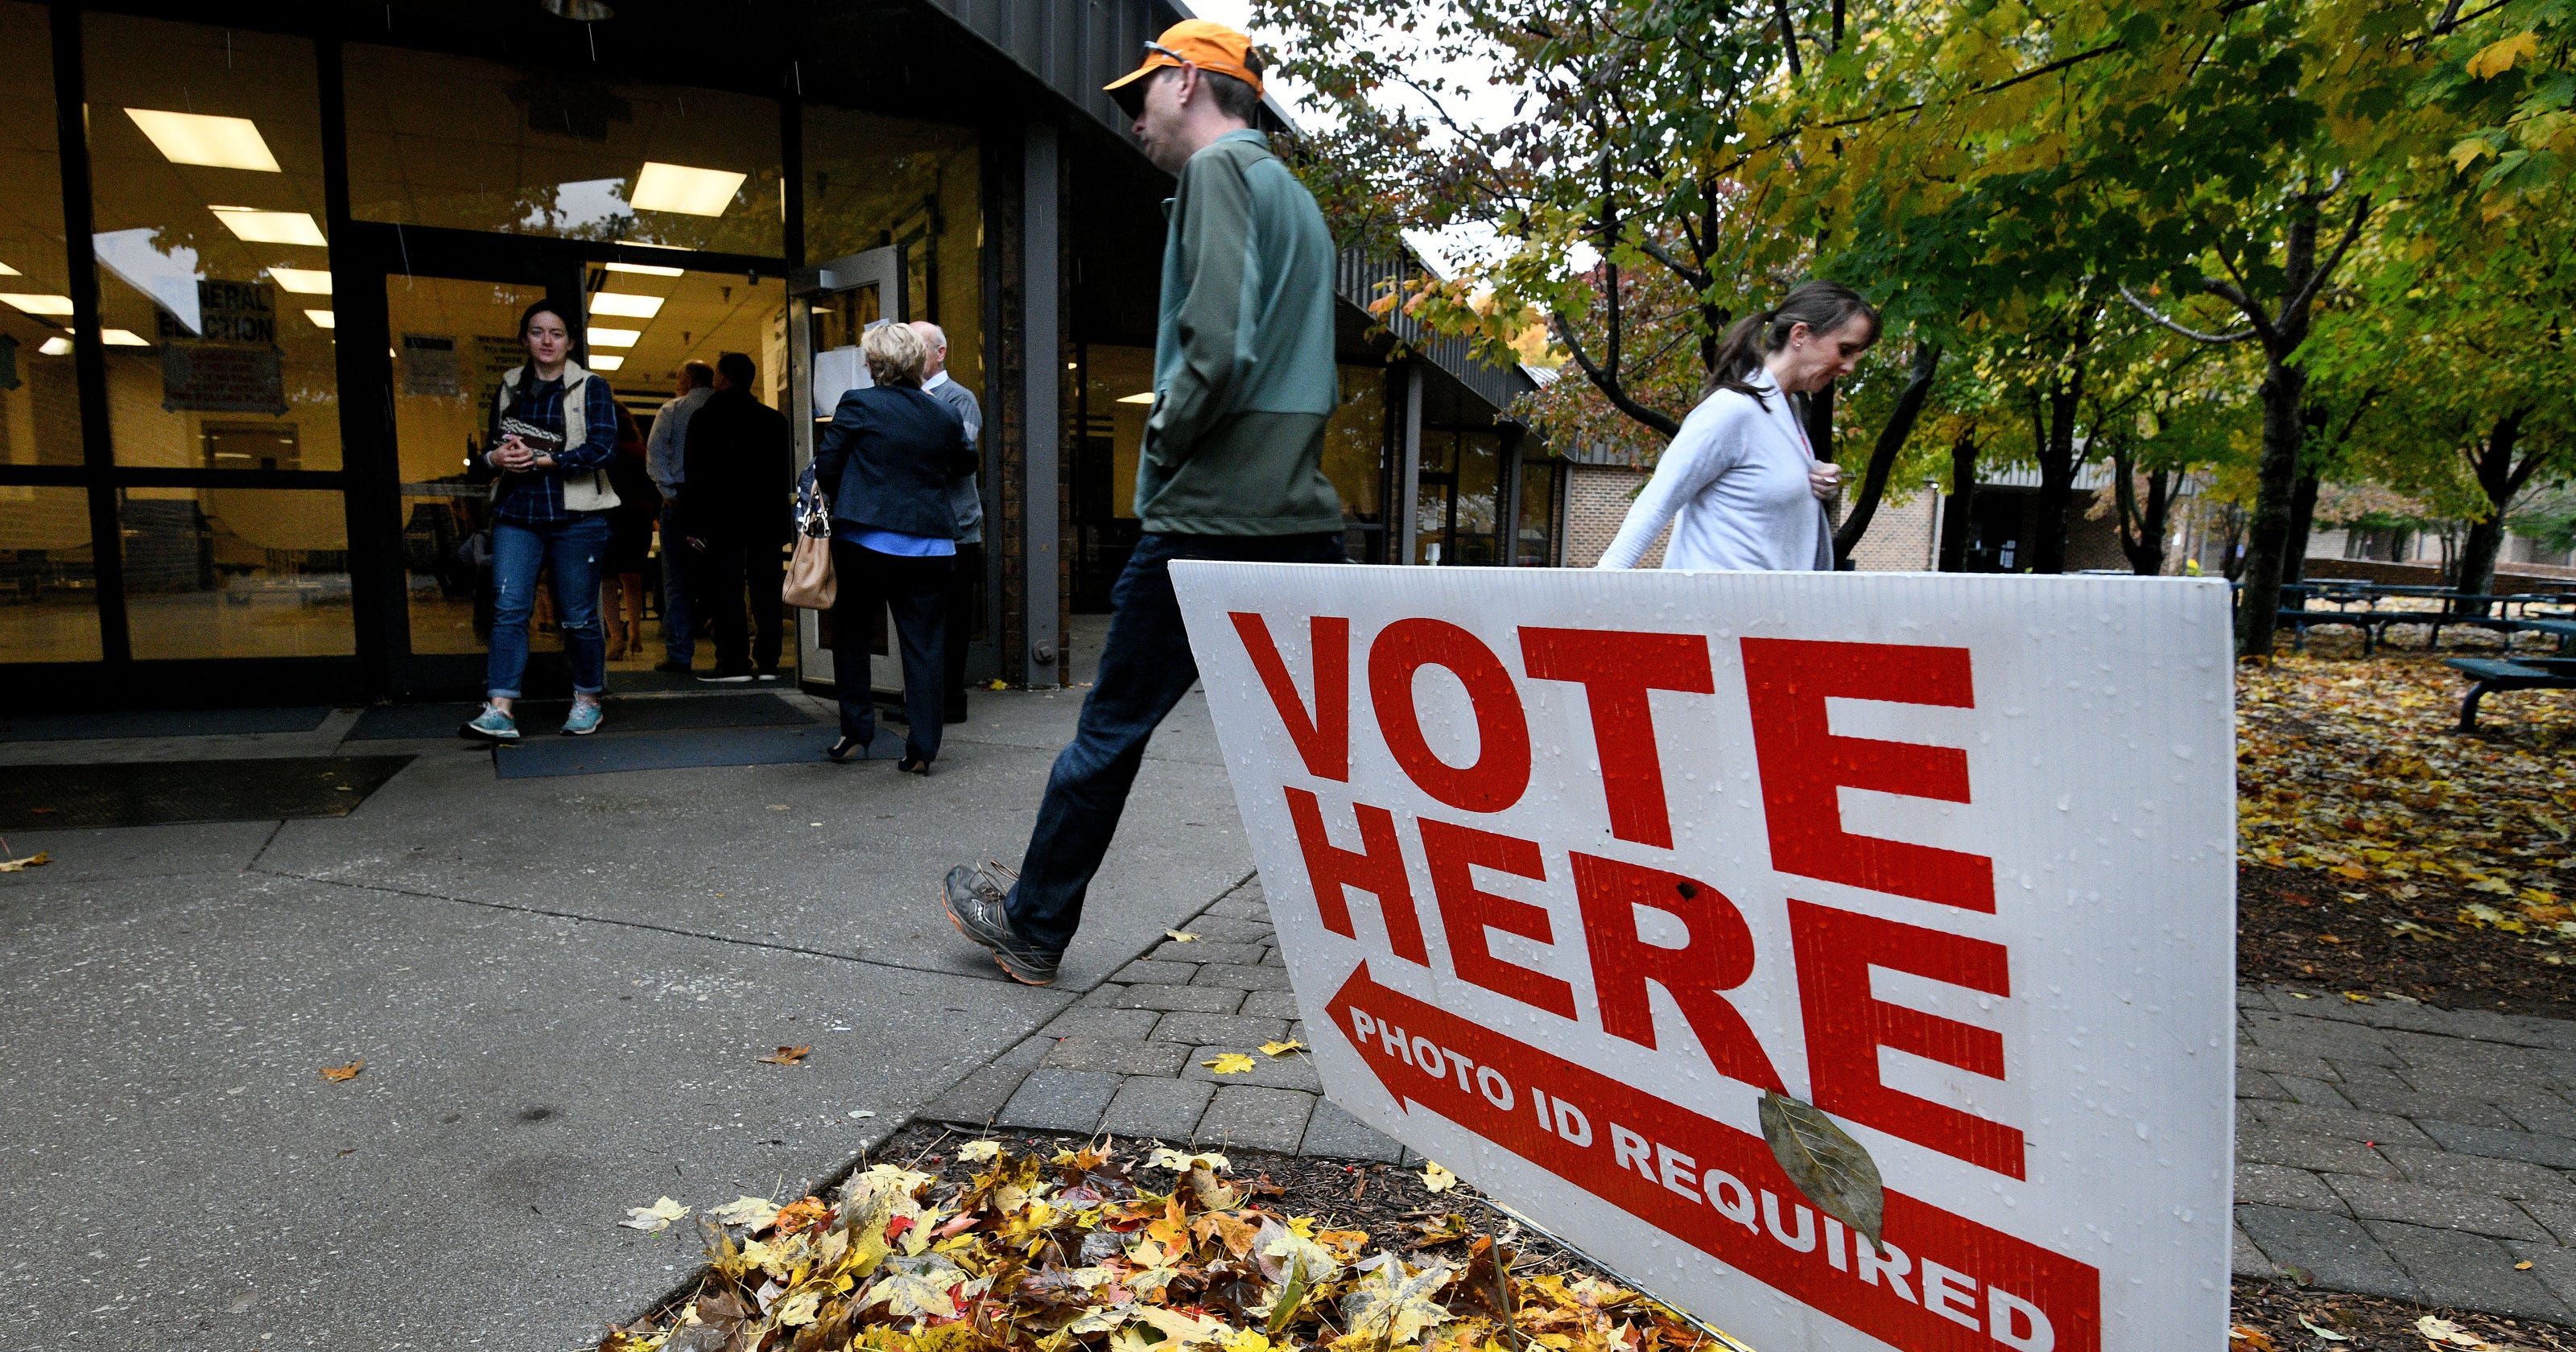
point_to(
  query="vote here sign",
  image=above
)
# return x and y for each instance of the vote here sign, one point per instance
(1571, 867)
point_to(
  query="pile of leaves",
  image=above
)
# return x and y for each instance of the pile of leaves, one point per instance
(1085, 1252)
(2353, 786)
(2283, 1316)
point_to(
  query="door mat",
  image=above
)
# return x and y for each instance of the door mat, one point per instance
(158, 723)
(605, 753)
(542, 717)
(161, 793)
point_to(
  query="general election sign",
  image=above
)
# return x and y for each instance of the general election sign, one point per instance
(1571, 868)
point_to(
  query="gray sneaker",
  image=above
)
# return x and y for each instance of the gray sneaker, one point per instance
(973, 898)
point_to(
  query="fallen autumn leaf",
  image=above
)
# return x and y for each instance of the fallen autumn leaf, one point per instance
(336, 1074)
(786, 1056)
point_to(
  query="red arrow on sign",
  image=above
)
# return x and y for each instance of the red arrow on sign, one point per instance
(1938, 1283)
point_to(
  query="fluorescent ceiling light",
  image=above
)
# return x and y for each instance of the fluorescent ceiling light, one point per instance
(625, 304)
(55, 346)
(8, 271)
(123, 338)
(690, 192)
(253, 226)
(642, 269)
(203, 138)
(614, 337)
(607, 361)
(303, 281)
(38, 305)
(323, 319)
(1146, 398)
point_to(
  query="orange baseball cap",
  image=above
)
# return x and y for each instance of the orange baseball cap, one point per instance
(1197, 42)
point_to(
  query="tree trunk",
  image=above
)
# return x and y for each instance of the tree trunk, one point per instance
(2231, 565)
(2057, 475)
(1816, 412)
(1882, 455)
(2259, 604)
(2498, 479)
(1957, 519)
(2142, 530)
(2303, 519)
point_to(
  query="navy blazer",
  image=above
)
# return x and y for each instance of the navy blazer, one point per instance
(888, 457)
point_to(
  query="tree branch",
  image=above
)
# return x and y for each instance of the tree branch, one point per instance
(1610, 388)
(1788, 37)
(1891, 439)
(2299, 303)
(2194, 334)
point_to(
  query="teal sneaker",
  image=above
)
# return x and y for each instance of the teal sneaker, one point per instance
(583, 721)
(491, 725)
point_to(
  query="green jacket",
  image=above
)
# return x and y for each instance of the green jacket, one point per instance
(1243, 356)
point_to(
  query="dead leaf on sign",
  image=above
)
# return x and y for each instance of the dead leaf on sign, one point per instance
(786, 1056)
(1282, 1048)
(1230, 1063)
(336, 1074)
(37, 860)
(1833, 1170)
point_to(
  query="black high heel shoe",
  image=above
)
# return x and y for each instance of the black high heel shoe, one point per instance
(913, 767)
(841, 751)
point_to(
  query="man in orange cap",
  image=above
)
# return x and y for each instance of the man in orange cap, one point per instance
(1231, 467)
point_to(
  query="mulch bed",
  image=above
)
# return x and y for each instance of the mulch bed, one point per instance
(2372, 1323)
(2293, 928)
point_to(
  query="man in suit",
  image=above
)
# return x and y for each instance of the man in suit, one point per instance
(734, 512)
(966, 495)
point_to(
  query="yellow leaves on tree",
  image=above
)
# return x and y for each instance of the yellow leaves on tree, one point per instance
(2497, 57)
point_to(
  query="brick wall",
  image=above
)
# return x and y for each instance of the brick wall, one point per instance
(1900, 536)
(1597, 498)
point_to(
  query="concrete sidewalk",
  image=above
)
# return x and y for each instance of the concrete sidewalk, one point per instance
(559, 987)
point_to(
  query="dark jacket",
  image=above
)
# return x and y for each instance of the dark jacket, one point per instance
(887, 460)
(735, 471)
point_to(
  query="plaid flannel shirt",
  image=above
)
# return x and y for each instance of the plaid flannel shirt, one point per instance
(537, 498)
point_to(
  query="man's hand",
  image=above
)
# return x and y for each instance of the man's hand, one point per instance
(1824, 479)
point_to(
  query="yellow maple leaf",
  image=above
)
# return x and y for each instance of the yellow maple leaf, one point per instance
(655, 1218)
(1282, 1048)
(2498, 57)
(1231, 1063)
(976, 1152)
(1437, 1179)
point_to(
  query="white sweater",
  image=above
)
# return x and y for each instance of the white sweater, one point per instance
(1736, 478)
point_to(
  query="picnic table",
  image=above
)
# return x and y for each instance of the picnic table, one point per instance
(2358, 605)
(2498, 674)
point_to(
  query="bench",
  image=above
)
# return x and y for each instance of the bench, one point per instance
(2496, 673)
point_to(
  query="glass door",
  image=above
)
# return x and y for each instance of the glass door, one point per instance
(829, 306)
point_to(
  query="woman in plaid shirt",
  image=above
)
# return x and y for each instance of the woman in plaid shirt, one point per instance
(553, 432)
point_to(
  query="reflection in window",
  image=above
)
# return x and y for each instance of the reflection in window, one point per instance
(40, 421)
(1355, 457)
(478, 145)
(1536, 544)
(214, 274)
(871, 181)
(48, 593)
(236, 572)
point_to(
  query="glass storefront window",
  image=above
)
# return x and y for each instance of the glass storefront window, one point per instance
(1480, 460)
(214, 275)
(471, 144)
(48, 593)
(39, 401)
(236, 572)
(1535, 545)
(871, 181)
(1355, 454)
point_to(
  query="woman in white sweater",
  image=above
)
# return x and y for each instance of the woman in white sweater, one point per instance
(1739, 482)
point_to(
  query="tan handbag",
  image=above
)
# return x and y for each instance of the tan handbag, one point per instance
(810, 585)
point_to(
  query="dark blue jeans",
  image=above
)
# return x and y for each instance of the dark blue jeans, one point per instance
(1145, 667)
(573, 548)
(679, 599)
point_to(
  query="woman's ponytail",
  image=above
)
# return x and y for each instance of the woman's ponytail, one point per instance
(1820, 305)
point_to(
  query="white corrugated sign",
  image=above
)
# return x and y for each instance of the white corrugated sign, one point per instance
(1576, 871)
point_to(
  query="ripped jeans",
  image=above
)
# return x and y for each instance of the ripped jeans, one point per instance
(574, 548)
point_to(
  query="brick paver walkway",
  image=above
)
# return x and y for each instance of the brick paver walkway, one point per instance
(2386, 1148)
(2395, 1149)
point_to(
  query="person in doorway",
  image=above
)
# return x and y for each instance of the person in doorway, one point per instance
(1230, 467)
(630, 540)
(735, 477)
(1739, 482)
(966, 498)
(886, 463)
(662, 456)
(553, 432)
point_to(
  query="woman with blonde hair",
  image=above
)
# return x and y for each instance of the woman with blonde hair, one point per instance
(885, 464)
(1739, 482)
